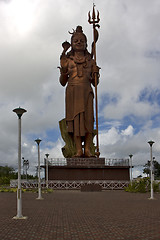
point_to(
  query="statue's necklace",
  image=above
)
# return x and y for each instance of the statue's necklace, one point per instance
(79, 63)
(79, 59)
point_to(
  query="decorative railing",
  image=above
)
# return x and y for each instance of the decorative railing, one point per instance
(116, 162)
(80, 161)
(26, 183)
(72, 185)
(57, 161)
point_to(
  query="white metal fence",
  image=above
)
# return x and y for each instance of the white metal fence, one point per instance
(56, 184)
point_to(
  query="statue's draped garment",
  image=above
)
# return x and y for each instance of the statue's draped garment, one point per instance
(79, 96)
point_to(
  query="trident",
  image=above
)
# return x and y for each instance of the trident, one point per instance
(95, 20)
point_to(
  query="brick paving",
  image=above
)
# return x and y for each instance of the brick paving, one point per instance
(75, 215)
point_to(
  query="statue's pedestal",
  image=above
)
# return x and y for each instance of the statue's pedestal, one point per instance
(77, 169)
(88, 174)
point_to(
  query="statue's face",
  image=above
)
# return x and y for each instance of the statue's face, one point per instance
(79, 42)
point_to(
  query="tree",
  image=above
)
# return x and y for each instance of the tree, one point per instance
(146, 169)
(156, 169)
(7, 173)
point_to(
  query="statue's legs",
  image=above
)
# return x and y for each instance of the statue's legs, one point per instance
(78, 142)
(88, 140)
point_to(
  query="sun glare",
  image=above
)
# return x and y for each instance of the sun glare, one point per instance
(21, 14)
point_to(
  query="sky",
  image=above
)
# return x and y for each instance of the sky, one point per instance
(128, 53)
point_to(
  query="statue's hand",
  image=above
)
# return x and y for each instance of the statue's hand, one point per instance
(96, 69)
(95, 74)
(63, 58)
(66, 45)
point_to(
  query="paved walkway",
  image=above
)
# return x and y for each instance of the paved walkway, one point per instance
(75, 215)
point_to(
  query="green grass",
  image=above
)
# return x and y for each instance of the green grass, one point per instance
(32, 190)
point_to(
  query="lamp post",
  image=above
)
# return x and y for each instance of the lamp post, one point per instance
(25, 166)
(47, 155)
(131, 166)
(19, 111)
(151, 167)
(39, 179)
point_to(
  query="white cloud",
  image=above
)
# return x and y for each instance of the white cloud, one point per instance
(30, 50)
(109, 137)
(128, 131)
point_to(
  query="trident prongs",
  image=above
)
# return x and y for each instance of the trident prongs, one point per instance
(94, 19)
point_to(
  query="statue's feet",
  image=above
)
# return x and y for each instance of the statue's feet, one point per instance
(79, 154)
(88, 153)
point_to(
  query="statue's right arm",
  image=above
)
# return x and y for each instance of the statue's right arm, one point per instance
(63, 70)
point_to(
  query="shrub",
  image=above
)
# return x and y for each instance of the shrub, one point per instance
(140, 185)
(4, 180)
(156, 187)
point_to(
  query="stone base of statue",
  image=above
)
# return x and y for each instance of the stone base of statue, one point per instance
(80, 169)
(77, 169)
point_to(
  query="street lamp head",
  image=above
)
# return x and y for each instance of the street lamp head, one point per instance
(47, 155)
(151, 143)
(130, 155)
(19, 111)
(38, 141)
